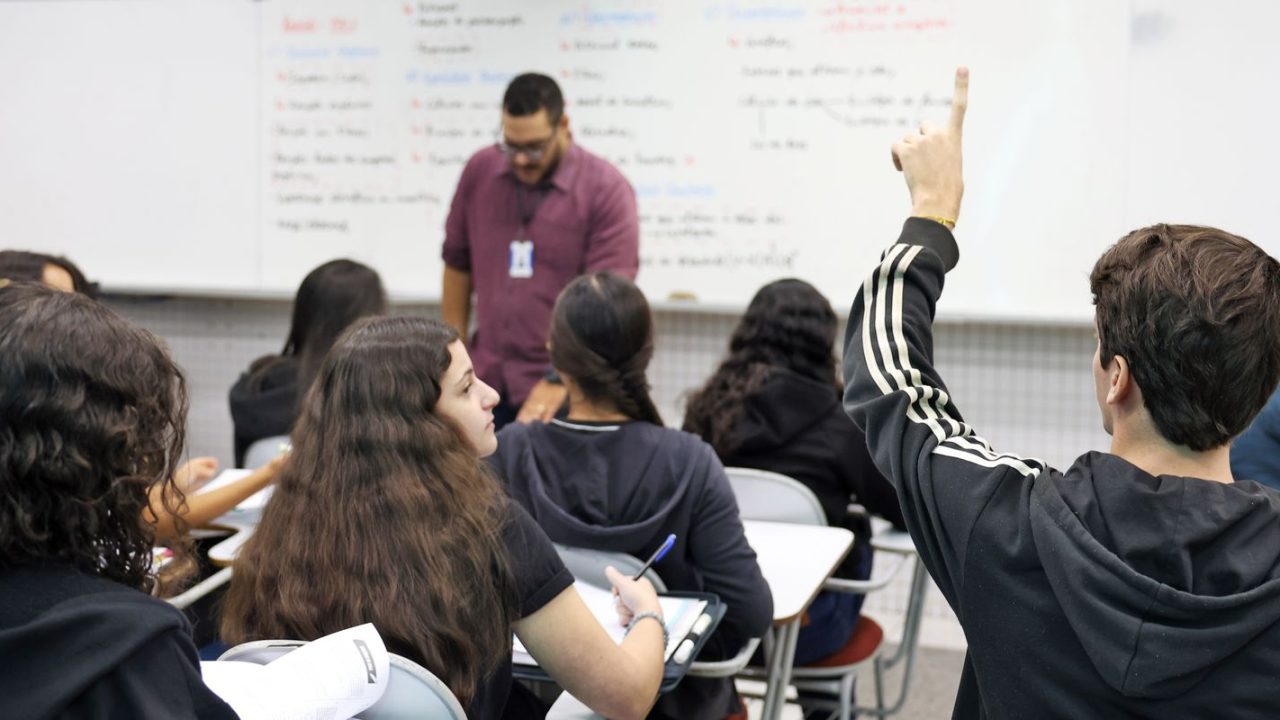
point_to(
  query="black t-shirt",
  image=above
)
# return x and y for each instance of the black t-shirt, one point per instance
(78, 645)
(541, 576)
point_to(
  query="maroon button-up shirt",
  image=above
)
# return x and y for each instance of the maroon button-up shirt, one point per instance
(586, 221)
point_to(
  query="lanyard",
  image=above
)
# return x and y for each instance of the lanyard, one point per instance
(527, 217)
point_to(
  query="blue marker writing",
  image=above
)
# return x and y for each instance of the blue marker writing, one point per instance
(656, 556)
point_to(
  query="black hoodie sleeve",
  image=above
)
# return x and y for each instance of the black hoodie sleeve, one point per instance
(728, 565)
(943, 472)
(161, 680)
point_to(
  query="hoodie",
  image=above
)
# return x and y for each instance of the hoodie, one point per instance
(1102, 591)
(623, 488)
(795, 426)
(264, 402)
(75, 645)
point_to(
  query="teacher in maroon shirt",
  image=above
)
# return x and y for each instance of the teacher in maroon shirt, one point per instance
(531, 212)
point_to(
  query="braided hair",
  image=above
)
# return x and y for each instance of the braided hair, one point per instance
(602, 338)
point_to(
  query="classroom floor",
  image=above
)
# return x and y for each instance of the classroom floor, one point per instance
(933, 687)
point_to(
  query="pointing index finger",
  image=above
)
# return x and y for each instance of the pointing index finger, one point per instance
(960, 99)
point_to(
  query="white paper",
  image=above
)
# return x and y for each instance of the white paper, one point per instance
(678, 613)
(251, 504)
(332, 678)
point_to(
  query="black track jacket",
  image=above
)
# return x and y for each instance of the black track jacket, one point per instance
(1099, 592)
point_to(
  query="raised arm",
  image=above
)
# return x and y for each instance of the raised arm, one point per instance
(943, 472)
(617, 681)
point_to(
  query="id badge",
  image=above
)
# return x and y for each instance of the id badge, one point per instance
(520, 260)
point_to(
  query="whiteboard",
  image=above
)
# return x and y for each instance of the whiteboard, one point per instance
(220, 147)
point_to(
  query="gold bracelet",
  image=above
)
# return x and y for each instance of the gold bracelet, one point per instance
(947, 223)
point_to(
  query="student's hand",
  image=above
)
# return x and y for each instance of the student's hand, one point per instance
(194, 473)
(931, 159)
(634, 596)
(543, 403)
(272, 468)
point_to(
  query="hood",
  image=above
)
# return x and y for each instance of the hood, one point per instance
(1160, 577)
(264, 399)
(617, 485)
(787, 405)
(85, 639)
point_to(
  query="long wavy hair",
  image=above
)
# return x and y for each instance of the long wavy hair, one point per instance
(382, 514)
(788, 325)
(92, 416)
(602, 338)
(330, 298)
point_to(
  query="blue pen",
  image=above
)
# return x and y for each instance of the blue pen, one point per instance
(656, 556)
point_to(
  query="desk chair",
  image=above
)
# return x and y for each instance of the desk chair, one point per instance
(774, 497)
(264, 451)
(588, 566)
(413, 692)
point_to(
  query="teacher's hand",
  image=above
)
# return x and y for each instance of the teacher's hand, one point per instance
(543, 403)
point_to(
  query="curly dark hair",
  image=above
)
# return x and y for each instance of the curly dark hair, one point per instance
(1196, 313)
(602, 337)
(789, 325)
(92, 416)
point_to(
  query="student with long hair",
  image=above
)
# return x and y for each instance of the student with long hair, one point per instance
(264, 401)
(774, 404)
(92, 415)
(609, 476)
(385, 514)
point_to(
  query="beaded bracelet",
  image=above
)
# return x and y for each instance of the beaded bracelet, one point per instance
(650, 614)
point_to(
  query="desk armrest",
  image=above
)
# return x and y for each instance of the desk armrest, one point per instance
(725, 668)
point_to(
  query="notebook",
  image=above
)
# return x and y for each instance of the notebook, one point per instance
(680, 614)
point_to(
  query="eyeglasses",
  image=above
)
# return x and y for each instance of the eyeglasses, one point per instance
(533, 152)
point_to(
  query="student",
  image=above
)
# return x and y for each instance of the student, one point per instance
(385, 514)
(92, 414)
(195, 510)
(264, 401)
(611, 477)
(52, 270)
(774, 404)
(1141, 582)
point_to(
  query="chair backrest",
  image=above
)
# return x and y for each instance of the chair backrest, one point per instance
(412, 690)
(764, 495)
(263, 451)
(588, 565)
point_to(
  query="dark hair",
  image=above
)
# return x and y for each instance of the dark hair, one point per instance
(602, 338)
(330, 298)
(92, 416)
(25, 265)
(531, 92)
(382, 514)
(789, 324)
(1196, 313)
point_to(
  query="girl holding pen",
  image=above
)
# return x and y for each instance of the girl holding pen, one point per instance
(610, 476)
